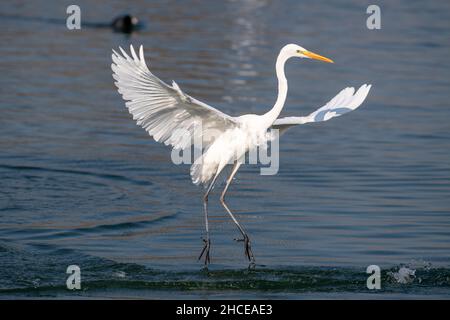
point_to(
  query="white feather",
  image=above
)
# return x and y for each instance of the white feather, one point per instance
(164, 111)
(345, 101)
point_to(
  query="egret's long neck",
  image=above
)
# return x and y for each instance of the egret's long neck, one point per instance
(273, 114)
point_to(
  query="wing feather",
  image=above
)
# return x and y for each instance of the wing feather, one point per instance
(164, 111)
(345, 101)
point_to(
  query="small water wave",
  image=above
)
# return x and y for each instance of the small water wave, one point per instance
(42, 273)
(76, 172)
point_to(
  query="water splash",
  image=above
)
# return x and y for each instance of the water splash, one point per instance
(404, 275)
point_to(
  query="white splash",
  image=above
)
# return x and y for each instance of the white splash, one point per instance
(404, 275)
(119, 274)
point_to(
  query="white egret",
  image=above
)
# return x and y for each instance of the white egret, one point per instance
(164, 111)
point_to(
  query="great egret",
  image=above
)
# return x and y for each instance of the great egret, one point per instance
(164, 111)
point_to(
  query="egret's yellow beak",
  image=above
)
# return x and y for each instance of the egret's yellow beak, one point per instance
(316, 56)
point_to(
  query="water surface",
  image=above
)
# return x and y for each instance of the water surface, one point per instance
(80, 183)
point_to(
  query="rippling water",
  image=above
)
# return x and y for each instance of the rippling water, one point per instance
(81, 184)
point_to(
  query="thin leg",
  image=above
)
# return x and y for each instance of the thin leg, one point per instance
(206, 240)
(247, 246)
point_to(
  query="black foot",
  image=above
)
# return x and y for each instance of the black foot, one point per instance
(248, 250)
(205, 251)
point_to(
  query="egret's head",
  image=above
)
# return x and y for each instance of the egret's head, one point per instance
(293, 50)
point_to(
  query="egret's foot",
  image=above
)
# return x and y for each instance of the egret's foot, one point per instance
(252, 265)
(248, 250)
(205, 251)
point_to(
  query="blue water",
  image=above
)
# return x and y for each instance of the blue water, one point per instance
(81, 184)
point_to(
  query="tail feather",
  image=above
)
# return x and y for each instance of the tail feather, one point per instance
(201, 172)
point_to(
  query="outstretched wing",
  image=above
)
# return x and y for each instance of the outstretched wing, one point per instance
(345, 101)
(165, 112)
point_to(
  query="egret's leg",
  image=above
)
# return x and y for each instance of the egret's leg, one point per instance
(206, 240)
(248, 248)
